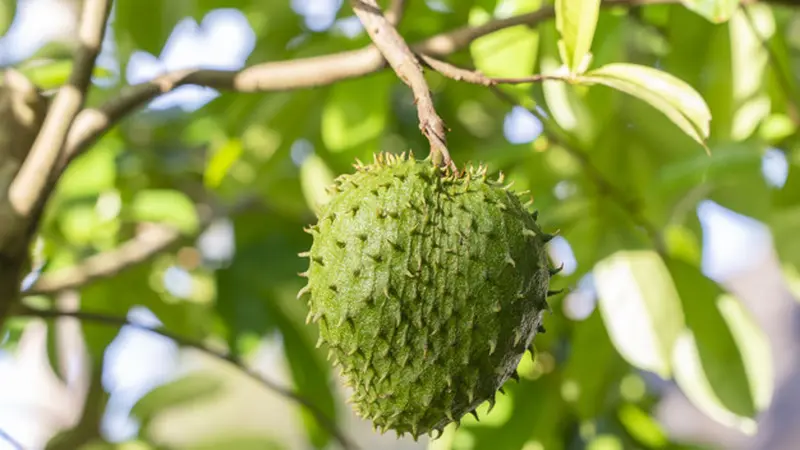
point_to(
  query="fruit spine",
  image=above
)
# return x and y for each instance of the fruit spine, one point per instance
(427, 286)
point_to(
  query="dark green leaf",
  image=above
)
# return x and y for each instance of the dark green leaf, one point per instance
(722, 360)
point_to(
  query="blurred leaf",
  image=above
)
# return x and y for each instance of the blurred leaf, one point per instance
(52, 74)
(167, 207)
(8, 11)
(510, 52)
(673, 97)
(576, 21)
(640, 308)
(223, 157)
(53, 351)
(591, 367)
(538, 412)
(644, 428)
(238, 443)
(722, 360)
(257, 293)
(194, 387)
(355, 113)
(316, 177)
(716, 11)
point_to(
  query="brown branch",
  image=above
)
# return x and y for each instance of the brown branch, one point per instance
(29, 187)
(104, 319)
(405, 63)
(475, 77)
(147, 244)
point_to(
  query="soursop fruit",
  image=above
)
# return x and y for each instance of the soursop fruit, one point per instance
(427, 286)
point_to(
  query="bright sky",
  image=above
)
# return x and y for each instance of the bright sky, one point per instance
(223, 40)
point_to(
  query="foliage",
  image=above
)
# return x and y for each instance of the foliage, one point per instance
(647, 111)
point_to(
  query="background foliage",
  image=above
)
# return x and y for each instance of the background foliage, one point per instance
(621, 179)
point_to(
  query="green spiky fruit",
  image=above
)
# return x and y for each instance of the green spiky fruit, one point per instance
(427, 286)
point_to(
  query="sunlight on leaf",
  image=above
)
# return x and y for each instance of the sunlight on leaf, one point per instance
(576, 21)
(716, 11)
(670, 95)
(640, 308)
(315, 177)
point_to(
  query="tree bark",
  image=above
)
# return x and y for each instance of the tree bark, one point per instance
(22, 110)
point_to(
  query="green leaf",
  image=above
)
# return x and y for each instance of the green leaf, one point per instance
(236, 442)
(591, 367)
(576, 21)
(722, 360)
(640, 308)
(510, 52)
(222, 159)
(315, 178)
(8, 10)
(53, 74)
(716, 11)
(673, 97)
(181, 392)
(355, 113)
(167, 207)
(644, 428)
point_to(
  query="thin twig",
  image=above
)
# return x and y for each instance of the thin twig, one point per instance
(405, 63)
(10, 439)
(147, 244)
(104, 319)
(630, 205)
(475, 77)
(783, 80)
(30, 185)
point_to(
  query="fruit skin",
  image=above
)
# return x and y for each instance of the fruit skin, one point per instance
(427, 287)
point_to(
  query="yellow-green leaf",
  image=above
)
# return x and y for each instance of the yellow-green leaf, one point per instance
(716, 11)
(8, 10)
(315, 178)
(670, 95)
(576, 21)
(169, 207)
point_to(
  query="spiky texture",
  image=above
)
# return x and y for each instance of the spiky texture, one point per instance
(427, 286)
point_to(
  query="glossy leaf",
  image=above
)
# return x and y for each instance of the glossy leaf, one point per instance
(576, 21)
(640, 307)
(673, 97)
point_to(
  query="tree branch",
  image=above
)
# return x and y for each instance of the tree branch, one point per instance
(150, 242)
(29, 187)
(395, 12)
(142, 248)
(405, 63)
(300, 73)
(323, 420)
